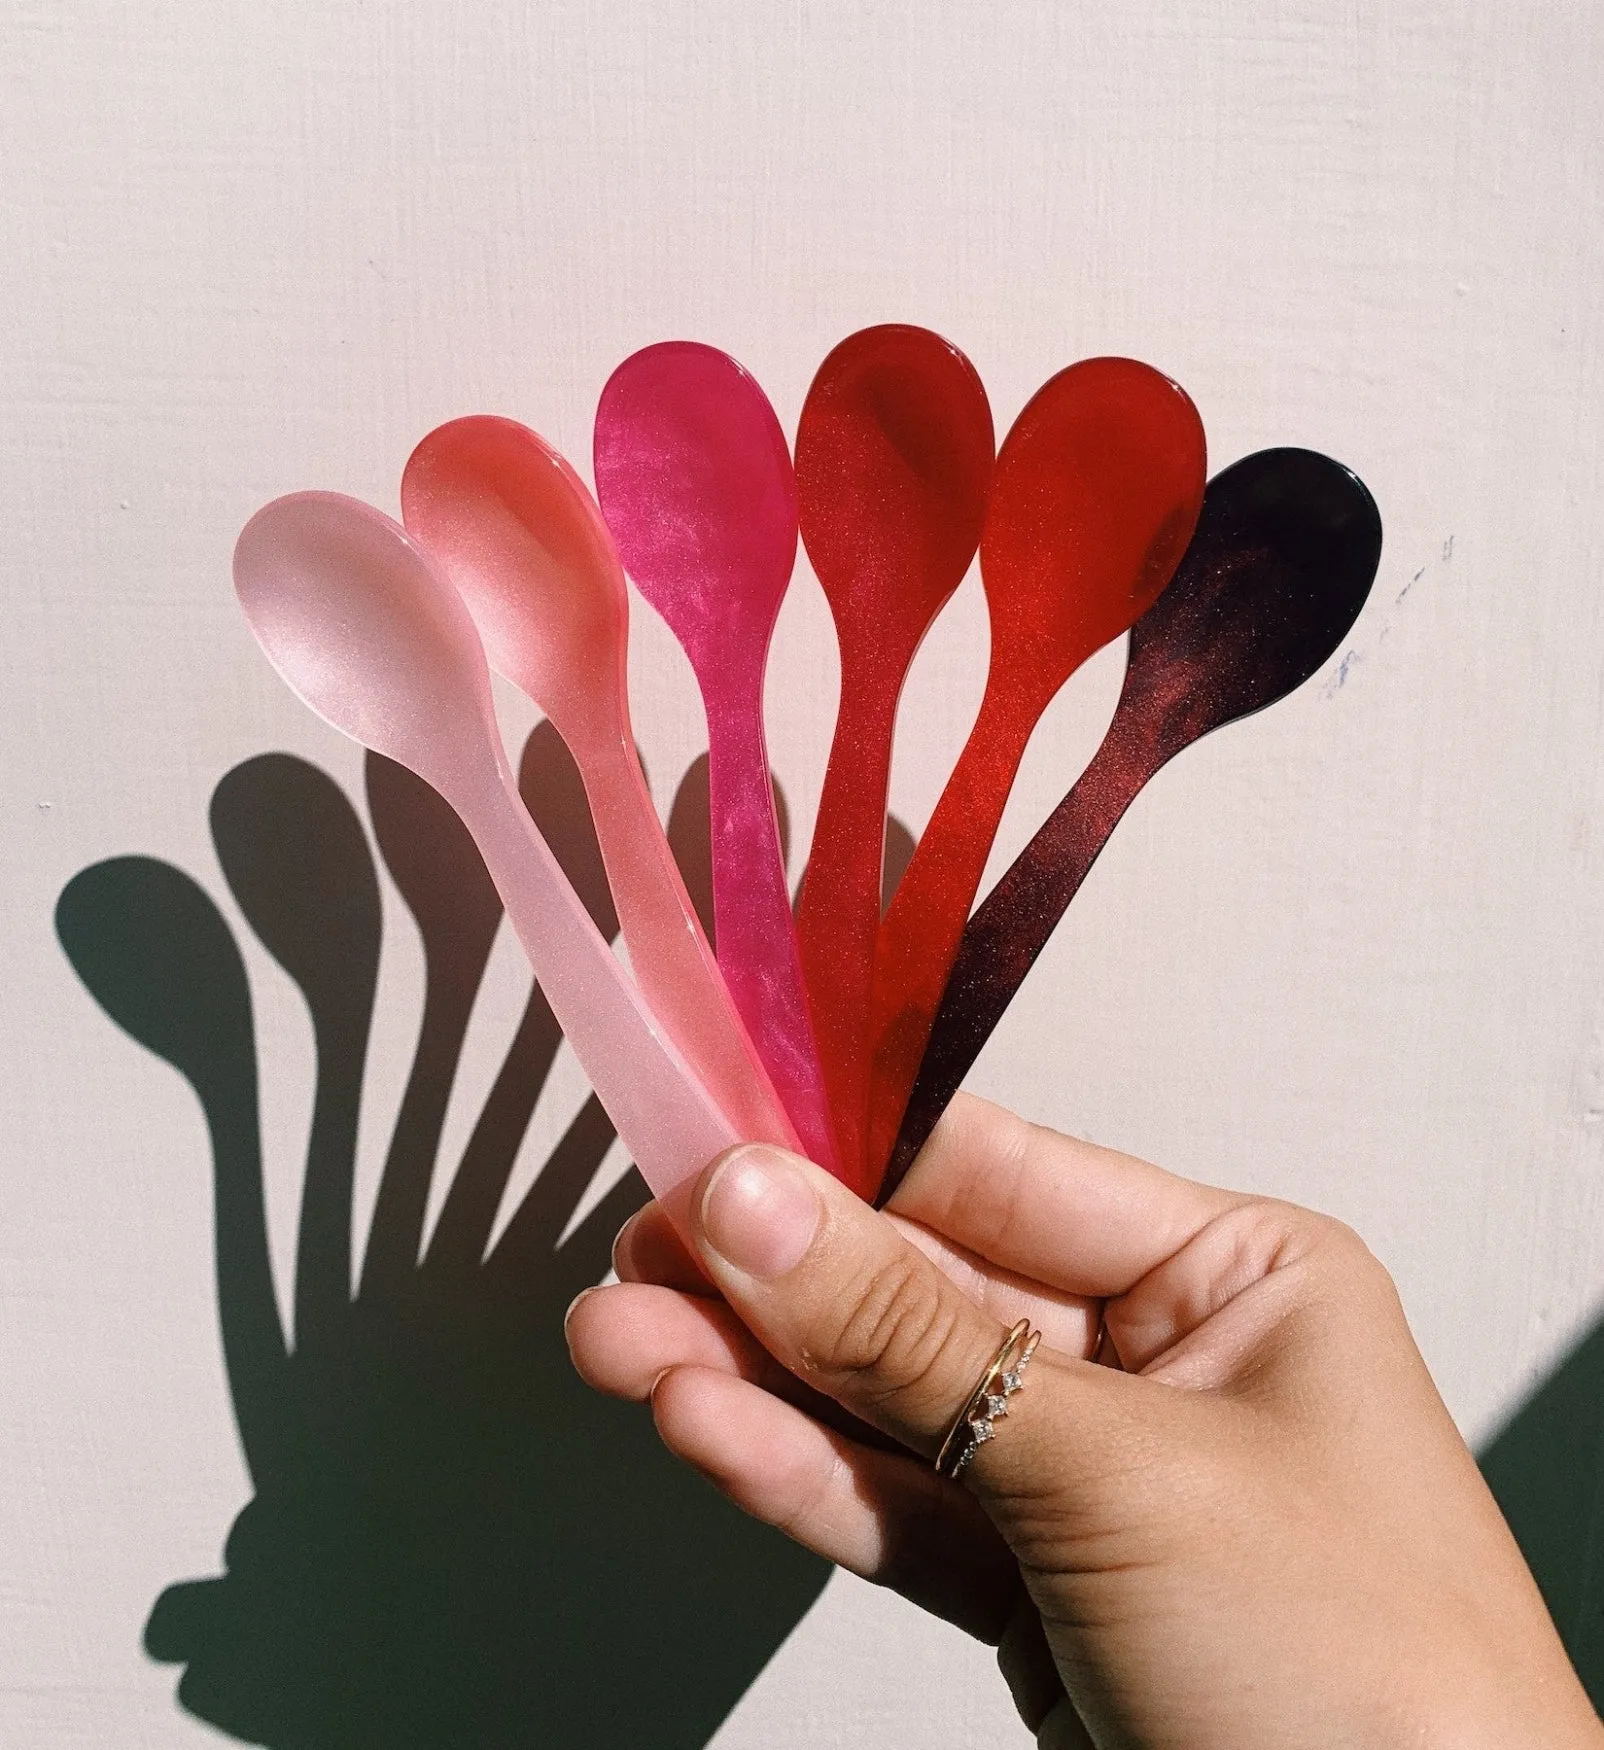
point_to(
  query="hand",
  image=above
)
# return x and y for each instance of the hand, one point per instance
(1228, 1511)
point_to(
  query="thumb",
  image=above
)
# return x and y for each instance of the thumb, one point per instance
(836, 1294)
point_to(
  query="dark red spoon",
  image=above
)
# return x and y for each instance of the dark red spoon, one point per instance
(1282, 561)
(893, 459)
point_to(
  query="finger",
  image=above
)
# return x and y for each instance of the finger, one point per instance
(835, 1292)
(1087, 1220)
(649, 1249)
(1063, 1729)
(623, 1338)
(1027, 1666)
(1069, 1323)
(882, 1515)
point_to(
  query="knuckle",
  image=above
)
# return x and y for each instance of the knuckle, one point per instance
(886, 1341)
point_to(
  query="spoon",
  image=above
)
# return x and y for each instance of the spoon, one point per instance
(513, 528)
(554, 793)
(1282, 561)
(893, 460)
(696, 484)
(297, 862)
(441, 878)
(153, 950)
(372, 636)
(1095, 495)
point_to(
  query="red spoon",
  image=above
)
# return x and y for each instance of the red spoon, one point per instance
(1096, 493)
(893, 461)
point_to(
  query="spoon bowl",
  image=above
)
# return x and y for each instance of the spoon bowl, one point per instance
(515, 529)
(359, 625)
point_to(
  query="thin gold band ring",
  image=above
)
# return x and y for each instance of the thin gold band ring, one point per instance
(987, 1404)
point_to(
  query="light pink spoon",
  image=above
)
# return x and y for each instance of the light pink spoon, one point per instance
(366, 629)
(695, 480)
(515, 530)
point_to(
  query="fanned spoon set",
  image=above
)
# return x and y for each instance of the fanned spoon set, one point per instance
(841, 1032)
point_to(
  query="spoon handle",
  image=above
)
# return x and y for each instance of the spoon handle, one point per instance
(838, 913)
(668, 950)
(920, 934)
(1002, 940)
(757, 945)
(666, 1118)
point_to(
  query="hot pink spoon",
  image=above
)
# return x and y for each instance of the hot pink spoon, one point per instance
(695, 481)
(365, 628)
(514, 529)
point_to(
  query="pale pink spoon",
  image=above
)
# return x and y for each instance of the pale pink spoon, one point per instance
(695, 481)
(367, 630)
(515, 530)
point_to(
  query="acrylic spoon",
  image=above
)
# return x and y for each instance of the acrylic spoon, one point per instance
(1094, 498)
(893, 461)
(370, 633)
(695, 482)
(514, 529)
(1284, 555)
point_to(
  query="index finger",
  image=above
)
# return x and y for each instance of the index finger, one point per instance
(1084, 1219)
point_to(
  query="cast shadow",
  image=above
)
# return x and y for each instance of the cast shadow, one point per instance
(452, 1541)
(690, 833)
(1546, 1470)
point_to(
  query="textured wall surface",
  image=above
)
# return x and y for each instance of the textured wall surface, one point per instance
(1351, 952)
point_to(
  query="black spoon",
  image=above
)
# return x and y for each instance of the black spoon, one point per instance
(1281, 562)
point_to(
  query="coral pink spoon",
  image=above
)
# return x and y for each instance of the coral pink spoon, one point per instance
(696, 484)
(893, 459)
(512, 526)
(1096, 493)
(364, 627)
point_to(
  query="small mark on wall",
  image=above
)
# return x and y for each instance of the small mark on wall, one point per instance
(1356, 653)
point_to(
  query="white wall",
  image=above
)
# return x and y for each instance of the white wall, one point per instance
(1351, 952)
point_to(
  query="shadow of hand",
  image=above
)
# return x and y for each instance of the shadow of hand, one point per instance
(452, 1541)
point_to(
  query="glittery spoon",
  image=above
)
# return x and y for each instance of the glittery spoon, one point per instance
(514, 529)
(1095, 495)
(696, 485)
(372, 636)
(1282, 561)
(893, 459)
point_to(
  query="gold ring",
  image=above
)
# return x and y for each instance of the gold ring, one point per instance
(987, 1404)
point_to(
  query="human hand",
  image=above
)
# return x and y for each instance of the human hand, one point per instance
(1228, 1511)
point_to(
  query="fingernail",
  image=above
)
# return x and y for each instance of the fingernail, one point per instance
(760, 1213)
(621, 1242)
(573, 1305)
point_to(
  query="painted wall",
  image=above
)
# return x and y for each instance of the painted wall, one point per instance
(1351, 952)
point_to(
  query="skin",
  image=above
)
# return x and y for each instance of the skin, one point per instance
(1228, 1511)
